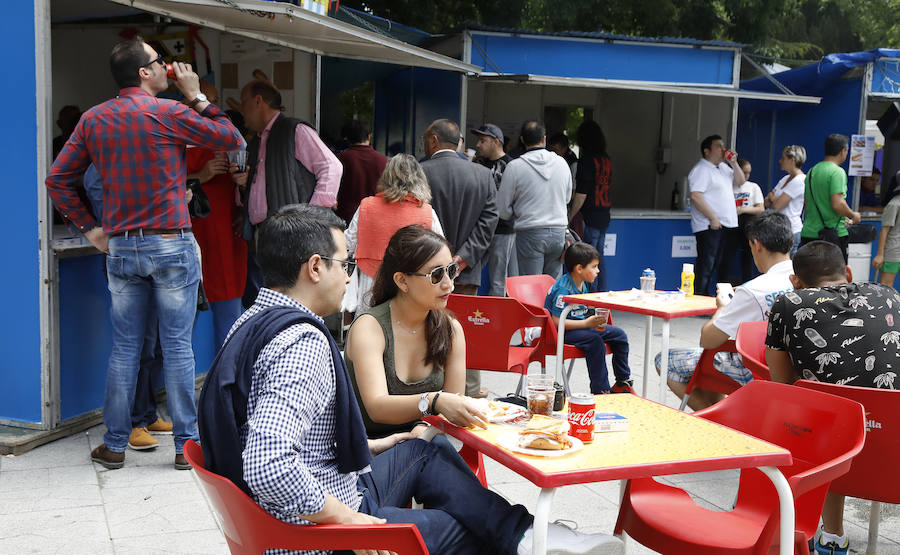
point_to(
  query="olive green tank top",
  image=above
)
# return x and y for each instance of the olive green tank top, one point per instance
(395, 386)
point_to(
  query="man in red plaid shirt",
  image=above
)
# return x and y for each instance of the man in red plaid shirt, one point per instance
(137, 142)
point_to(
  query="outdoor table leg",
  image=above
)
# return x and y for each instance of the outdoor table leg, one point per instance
(560, 341)
(648, 361)
(623, 484)
(542, 521)
(786, 505)
(664, 362)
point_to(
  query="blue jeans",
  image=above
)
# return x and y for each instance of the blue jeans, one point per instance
(539, 250)
(593, 343)
(597, 237)
(163, 271)
(502, 262)
(143, 411)
(710, 244)
(460, 516)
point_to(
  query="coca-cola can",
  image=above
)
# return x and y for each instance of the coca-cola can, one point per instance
(581, 416)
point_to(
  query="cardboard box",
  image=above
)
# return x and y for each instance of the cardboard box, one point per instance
(610, 422)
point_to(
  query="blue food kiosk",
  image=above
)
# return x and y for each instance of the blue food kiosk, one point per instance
(56, 338)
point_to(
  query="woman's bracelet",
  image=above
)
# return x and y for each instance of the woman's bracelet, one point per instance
(434, 402)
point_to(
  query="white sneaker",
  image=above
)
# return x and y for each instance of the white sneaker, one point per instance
(531, 333)
(563, 540)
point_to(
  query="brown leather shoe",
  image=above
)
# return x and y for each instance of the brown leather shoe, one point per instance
(160, 427)
(107, 458)
(140, 440)
(181, 462)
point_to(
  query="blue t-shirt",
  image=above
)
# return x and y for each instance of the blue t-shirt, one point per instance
(565, 286)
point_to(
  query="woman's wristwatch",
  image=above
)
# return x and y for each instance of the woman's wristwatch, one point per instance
(423, 404)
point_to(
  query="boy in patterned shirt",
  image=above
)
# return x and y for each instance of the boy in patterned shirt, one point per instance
(831, 330)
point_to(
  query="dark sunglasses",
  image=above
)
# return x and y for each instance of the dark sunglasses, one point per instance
(159, 59)
(348, 265)
(437, 275)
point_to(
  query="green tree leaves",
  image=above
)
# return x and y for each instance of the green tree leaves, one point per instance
(797, 29)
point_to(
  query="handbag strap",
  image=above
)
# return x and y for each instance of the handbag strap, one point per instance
(816, 204)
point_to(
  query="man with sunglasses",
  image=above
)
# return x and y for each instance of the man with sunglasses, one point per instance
(137, 143)
(300, 448)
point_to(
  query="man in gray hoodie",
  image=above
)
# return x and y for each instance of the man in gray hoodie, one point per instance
(533, 194)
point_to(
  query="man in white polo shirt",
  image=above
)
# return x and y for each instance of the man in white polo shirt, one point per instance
(771, 239)
(712, 206)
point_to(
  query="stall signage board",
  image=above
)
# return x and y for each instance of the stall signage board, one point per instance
(684, 246)
(862, 155)
(609, 245)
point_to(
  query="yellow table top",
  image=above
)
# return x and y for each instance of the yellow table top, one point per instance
(659, 441)
(695, 305)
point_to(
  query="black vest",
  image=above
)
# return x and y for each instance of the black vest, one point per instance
(287, 180)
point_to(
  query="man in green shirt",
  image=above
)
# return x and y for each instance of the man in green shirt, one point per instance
(826, 197)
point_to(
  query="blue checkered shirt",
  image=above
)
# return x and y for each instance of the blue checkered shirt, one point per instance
(288, 440)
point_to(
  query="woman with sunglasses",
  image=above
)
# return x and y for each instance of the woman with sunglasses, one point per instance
(402, 199)
(407, 354)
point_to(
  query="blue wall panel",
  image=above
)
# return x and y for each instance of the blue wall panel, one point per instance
(84, 334)
(602, 60)
(641, 244)
(803, 124)
(20, 339)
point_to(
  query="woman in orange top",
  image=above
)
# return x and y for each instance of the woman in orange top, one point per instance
(402, 200)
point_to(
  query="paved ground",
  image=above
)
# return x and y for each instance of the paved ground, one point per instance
(54, 500)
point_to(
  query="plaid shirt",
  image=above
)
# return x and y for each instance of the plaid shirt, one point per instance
(289, 459)
(137, 142)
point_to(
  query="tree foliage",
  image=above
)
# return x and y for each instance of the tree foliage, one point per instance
(796, 29)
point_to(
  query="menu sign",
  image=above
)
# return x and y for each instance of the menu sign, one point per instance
(862, 155)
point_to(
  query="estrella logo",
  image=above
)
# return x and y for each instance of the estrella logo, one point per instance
(478, 318)
(872, 424)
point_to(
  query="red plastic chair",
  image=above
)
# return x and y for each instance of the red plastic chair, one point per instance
(751, 344)
(488, 325)
(531, 292)
(251, 530)
(872, 475)
(706, 376)
(823, 434)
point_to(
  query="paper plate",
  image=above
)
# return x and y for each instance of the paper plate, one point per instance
(511, 441)
(510, 411)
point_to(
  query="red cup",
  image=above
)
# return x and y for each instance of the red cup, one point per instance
(729, 154)
(170, 71)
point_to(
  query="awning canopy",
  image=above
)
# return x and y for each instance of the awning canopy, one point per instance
(294, 27)
(728, 92)
(819, 78)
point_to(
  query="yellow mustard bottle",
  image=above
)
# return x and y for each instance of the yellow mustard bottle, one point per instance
(687, 279)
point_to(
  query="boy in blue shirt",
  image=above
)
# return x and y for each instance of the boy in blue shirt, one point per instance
(587, 331)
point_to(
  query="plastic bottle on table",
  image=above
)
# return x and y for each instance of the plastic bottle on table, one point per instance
(687, 279)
